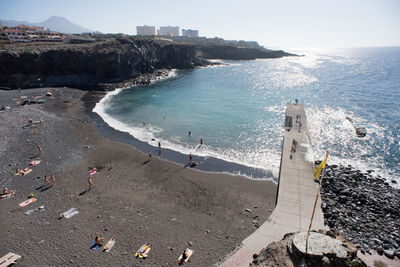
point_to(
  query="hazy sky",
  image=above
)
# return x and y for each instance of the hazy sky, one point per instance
(279, 23)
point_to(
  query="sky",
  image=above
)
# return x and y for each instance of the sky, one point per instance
(274, 24)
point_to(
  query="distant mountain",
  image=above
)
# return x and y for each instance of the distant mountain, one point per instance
(61, 24)
(54, 23)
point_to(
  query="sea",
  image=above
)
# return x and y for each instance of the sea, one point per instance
(238, 109)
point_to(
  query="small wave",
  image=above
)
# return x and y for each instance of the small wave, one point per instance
(268, 161)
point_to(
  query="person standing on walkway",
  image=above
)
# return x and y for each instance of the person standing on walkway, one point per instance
(40, 150)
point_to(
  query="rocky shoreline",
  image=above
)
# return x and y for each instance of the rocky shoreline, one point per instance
(144, 79)
(363, 207)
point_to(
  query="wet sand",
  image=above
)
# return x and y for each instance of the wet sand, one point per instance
(137, 201)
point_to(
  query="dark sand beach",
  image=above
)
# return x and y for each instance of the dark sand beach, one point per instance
(135, 200)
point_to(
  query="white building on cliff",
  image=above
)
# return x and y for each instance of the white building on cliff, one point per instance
(146, 30)
(190, 33)
(168, 31)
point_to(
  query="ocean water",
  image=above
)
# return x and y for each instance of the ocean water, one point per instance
(238, 108)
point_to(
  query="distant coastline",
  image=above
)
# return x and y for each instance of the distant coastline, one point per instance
(110, 61)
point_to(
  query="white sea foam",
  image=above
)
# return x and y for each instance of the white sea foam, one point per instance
(267, 160)
(331, 131)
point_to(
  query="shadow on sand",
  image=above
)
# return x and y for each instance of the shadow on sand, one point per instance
(83, 192)
(46, 188)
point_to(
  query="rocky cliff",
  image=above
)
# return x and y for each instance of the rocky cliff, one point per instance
(237, 53)
(106, 61)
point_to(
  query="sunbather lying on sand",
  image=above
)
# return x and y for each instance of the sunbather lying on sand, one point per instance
(6, 191)
(24, 171)
(99, 240)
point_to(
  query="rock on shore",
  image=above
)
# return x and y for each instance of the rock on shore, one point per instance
(363, 207)
(325, 249)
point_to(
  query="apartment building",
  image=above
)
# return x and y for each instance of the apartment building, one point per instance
(190, 33)
(146, 30)
(168, 31)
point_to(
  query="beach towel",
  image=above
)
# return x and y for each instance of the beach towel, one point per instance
(4, 196)
(27, 202)
(22, 172)
(68, 211)
(8, 259)
(93, 246)
(143, 251)
(109, 245)
(189, 254)
(35, 162)
(29, 212)
(69, 215)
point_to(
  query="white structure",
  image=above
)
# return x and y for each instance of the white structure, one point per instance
(168, 31)
(190, 33)
(17, 36)
(146, 30)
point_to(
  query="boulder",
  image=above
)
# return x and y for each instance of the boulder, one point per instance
(361, 131)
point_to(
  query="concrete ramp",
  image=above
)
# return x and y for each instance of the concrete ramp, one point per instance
(296, 192)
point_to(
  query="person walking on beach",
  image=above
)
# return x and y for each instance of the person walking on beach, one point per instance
(190, 159)
(90, 183)
(53, 180)
(40, 150)
(159, 148)
(150, 156)
(46, 180)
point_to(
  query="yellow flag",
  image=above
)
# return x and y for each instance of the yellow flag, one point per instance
(321, 166)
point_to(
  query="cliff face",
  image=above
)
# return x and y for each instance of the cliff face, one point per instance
(237, 53)
(86, 66)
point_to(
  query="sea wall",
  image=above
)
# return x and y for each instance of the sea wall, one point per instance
(115, 60)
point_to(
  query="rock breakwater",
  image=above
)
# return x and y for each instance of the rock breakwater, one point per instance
(363, 207)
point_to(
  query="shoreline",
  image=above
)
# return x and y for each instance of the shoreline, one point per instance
(136, 201)
(205, 164)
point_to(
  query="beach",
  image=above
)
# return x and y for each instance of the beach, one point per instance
(137, 201)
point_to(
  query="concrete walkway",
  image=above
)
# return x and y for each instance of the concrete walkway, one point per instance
(296, 193)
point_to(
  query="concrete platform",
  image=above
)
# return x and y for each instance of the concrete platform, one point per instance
(296, 192)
